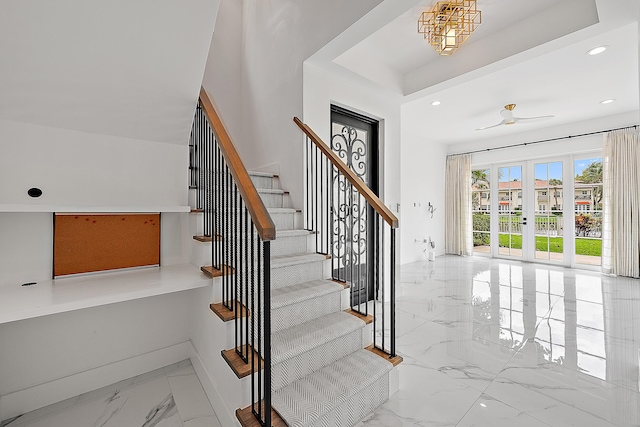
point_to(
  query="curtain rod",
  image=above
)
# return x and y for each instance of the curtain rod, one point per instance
(544, 140)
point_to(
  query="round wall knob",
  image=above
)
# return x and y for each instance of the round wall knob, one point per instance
(34, 192)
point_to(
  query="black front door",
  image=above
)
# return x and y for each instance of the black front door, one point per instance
(354, 138)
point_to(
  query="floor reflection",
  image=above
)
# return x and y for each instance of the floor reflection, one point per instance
(536, 345)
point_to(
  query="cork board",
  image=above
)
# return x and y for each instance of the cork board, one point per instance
(99, 242)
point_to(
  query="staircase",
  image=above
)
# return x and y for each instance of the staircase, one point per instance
(308, 354)
(321, 374)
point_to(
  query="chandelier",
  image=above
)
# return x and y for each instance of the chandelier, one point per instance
(449, 23)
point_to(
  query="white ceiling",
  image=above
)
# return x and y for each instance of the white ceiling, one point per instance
(566, 83)
(125, 68)
(531, 53)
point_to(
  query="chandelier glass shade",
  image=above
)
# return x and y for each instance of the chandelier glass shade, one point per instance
(449, 23)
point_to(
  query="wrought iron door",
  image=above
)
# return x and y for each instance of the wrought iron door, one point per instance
(354, 138)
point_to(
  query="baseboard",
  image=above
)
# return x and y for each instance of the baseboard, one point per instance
(212, 389)
(32, 398)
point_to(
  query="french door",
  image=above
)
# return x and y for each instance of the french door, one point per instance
(547, 210)
(528, 216)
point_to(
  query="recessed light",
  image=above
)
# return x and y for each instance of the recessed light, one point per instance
(435, 103)
(483, 405)
(597, 50)
(607, 101)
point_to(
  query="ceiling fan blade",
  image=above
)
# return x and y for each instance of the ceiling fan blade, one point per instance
(532, 119)
(494, 126)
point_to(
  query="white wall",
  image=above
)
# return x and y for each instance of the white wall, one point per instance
(547, 149)
(277, 36)
(78, 168)
(223, 73)
(40, 350)
(83, 169)
(423, 170)
(321, 89)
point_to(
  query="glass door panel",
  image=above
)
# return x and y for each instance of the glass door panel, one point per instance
(481, 210)
(587, 208)
(510, 211)
(548, 218)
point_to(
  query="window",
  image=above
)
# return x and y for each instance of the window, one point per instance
(585, 192)
(520, 196)
(543, 193)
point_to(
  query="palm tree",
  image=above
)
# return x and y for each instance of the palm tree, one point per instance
(554, 183)
(479, 180)
(592, 174)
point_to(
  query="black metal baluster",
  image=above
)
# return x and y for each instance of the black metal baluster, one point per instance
(368, 256)
(267, 333)
(310, 192)
(252, 311)
(349, 235)
(216, 208)
(317, 195)
(228, 237)
(248, 317)
(207, 191)
(329, 206)
(376, 276)
(332, 223)
(234, 231)
(392, 268)
(382, 284)
(319, 236)
(259, 317)
(225, 253)
(200, 169)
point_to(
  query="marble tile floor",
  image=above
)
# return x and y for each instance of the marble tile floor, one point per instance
(167, 397)
(496, 343)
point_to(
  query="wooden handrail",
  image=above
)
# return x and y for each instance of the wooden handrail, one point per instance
(255, 206)
(359, 184)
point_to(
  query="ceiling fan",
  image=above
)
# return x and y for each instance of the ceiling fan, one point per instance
(510, 119)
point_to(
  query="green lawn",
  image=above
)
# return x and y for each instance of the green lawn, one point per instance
(591, 247)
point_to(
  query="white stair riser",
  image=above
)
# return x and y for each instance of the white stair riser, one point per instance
(191, 198)
(353, 409)
(293, 369)
(294, 314)
(272, 200)
(297, 273)
(200, 253)
(262, 181)
(291, 245)
(196, 224)
(283, 220)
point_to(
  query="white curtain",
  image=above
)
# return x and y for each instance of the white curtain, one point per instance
(458, 238)
(621, 200)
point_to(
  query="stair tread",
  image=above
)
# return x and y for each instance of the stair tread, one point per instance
(304, 402)
(293, 294)
(270, 190)
(292, 233)
(282, 210)
(264, 174)
(288, 260)
(298, 339)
